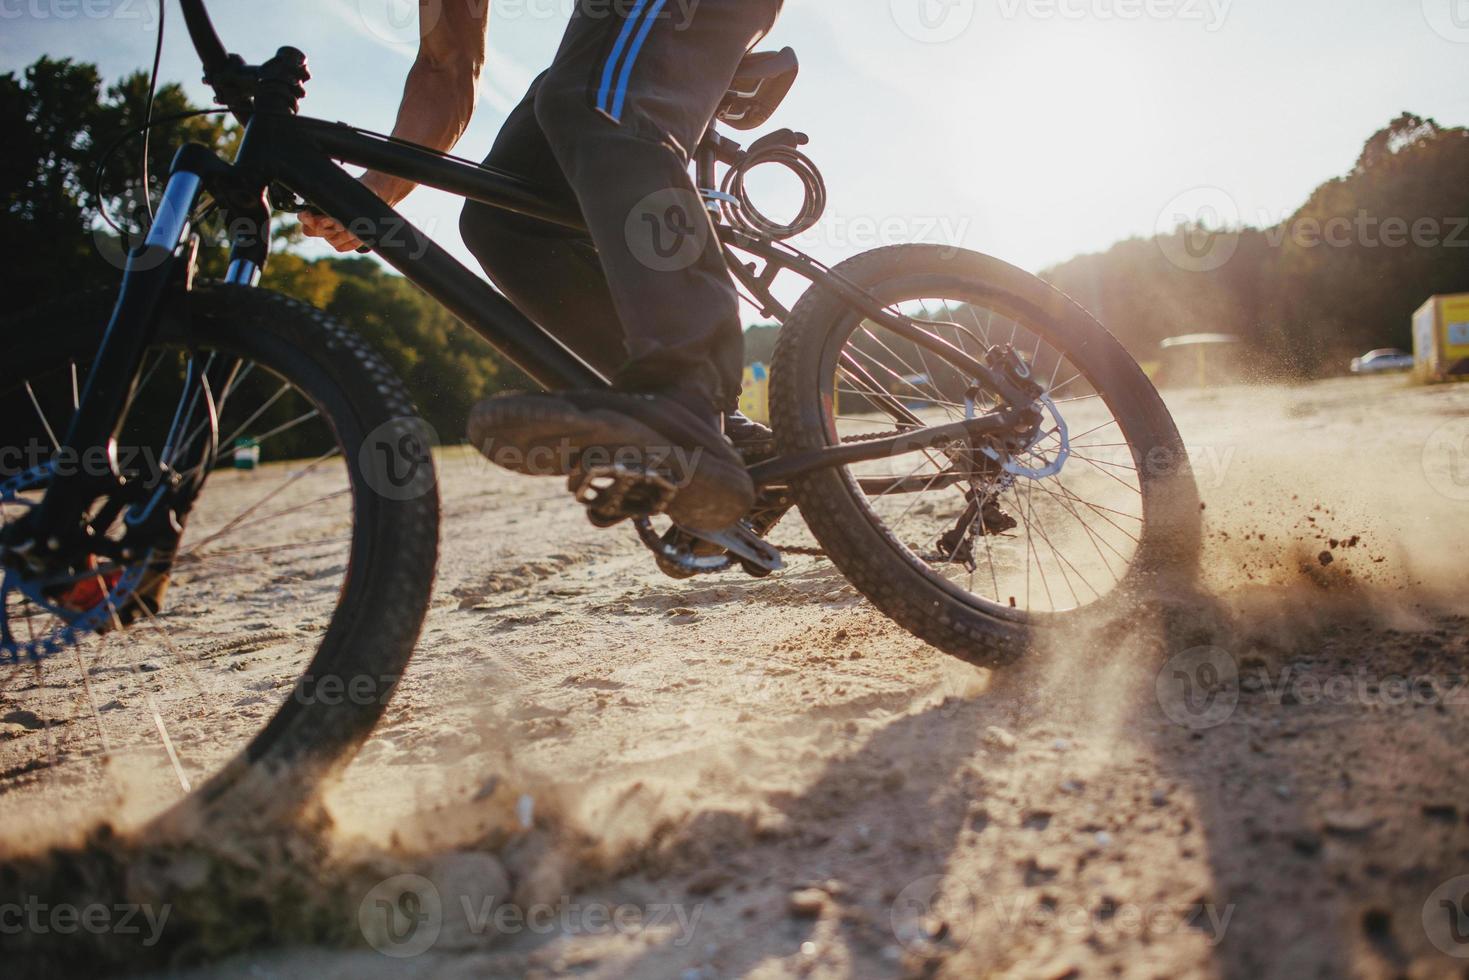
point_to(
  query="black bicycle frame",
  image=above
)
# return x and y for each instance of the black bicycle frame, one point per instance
(302, 155)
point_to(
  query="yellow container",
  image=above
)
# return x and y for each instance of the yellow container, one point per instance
(755, 395)
(1441, 339)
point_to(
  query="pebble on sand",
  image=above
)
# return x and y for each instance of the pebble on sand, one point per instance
(807, 903)
(998, 737)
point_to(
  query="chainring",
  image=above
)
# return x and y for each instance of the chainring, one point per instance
(72, 625)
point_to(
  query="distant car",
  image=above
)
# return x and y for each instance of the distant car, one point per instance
(1386, 359)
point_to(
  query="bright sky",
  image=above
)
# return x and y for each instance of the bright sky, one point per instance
(1029, 129)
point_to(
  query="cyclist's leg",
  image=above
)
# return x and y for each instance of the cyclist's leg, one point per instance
(551, 274)
(626, 100)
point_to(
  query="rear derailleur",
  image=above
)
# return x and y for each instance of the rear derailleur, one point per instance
(982, 517)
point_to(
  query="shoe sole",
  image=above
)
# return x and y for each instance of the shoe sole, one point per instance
(549, 437)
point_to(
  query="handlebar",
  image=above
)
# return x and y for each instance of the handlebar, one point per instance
(206, 41)
(279, 83)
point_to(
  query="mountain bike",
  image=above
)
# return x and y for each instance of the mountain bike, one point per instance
(974, 452)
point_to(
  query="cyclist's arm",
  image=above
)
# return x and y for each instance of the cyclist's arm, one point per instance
(438, 98)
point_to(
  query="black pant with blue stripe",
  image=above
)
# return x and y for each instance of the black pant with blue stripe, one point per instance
(646, 298)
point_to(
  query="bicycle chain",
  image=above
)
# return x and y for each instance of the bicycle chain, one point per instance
(803, 551)
(867, 437)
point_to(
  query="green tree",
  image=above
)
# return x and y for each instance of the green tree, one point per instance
(1341, 275)
(60, 122)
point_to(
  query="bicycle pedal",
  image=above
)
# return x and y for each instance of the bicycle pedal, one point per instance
(612, 494)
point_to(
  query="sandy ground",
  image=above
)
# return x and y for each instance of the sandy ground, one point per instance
(731, 777)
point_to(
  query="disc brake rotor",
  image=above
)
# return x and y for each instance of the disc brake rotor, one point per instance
(1009, 461)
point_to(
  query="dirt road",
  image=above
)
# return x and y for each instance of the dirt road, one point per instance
(733, 777)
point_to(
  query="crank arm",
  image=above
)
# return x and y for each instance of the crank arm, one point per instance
(741, 542)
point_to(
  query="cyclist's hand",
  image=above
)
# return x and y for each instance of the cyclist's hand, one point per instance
(317, 225)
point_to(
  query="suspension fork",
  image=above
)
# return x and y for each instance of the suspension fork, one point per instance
(151, 267)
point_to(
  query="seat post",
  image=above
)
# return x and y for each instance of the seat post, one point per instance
(704, 159)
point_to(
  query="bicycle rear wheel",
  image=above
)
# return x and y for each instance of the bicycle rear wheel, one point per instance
(967, 547)
(263, 642)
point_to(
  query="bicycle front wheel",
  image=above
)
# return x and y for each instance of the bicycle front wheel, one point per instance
(253, 647)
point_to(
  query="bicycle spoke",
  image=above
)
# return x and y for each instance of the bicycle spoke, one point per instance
(235, 522)
(229, 440)
(158, 724)
(1075, 542)
(55, 443)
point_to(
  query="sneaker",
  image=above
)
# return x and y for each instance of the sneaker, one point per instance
(668, 435)
(754, 442)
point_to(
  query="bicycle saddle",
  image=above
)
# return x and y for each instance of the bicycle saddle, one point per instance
(759, 86)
